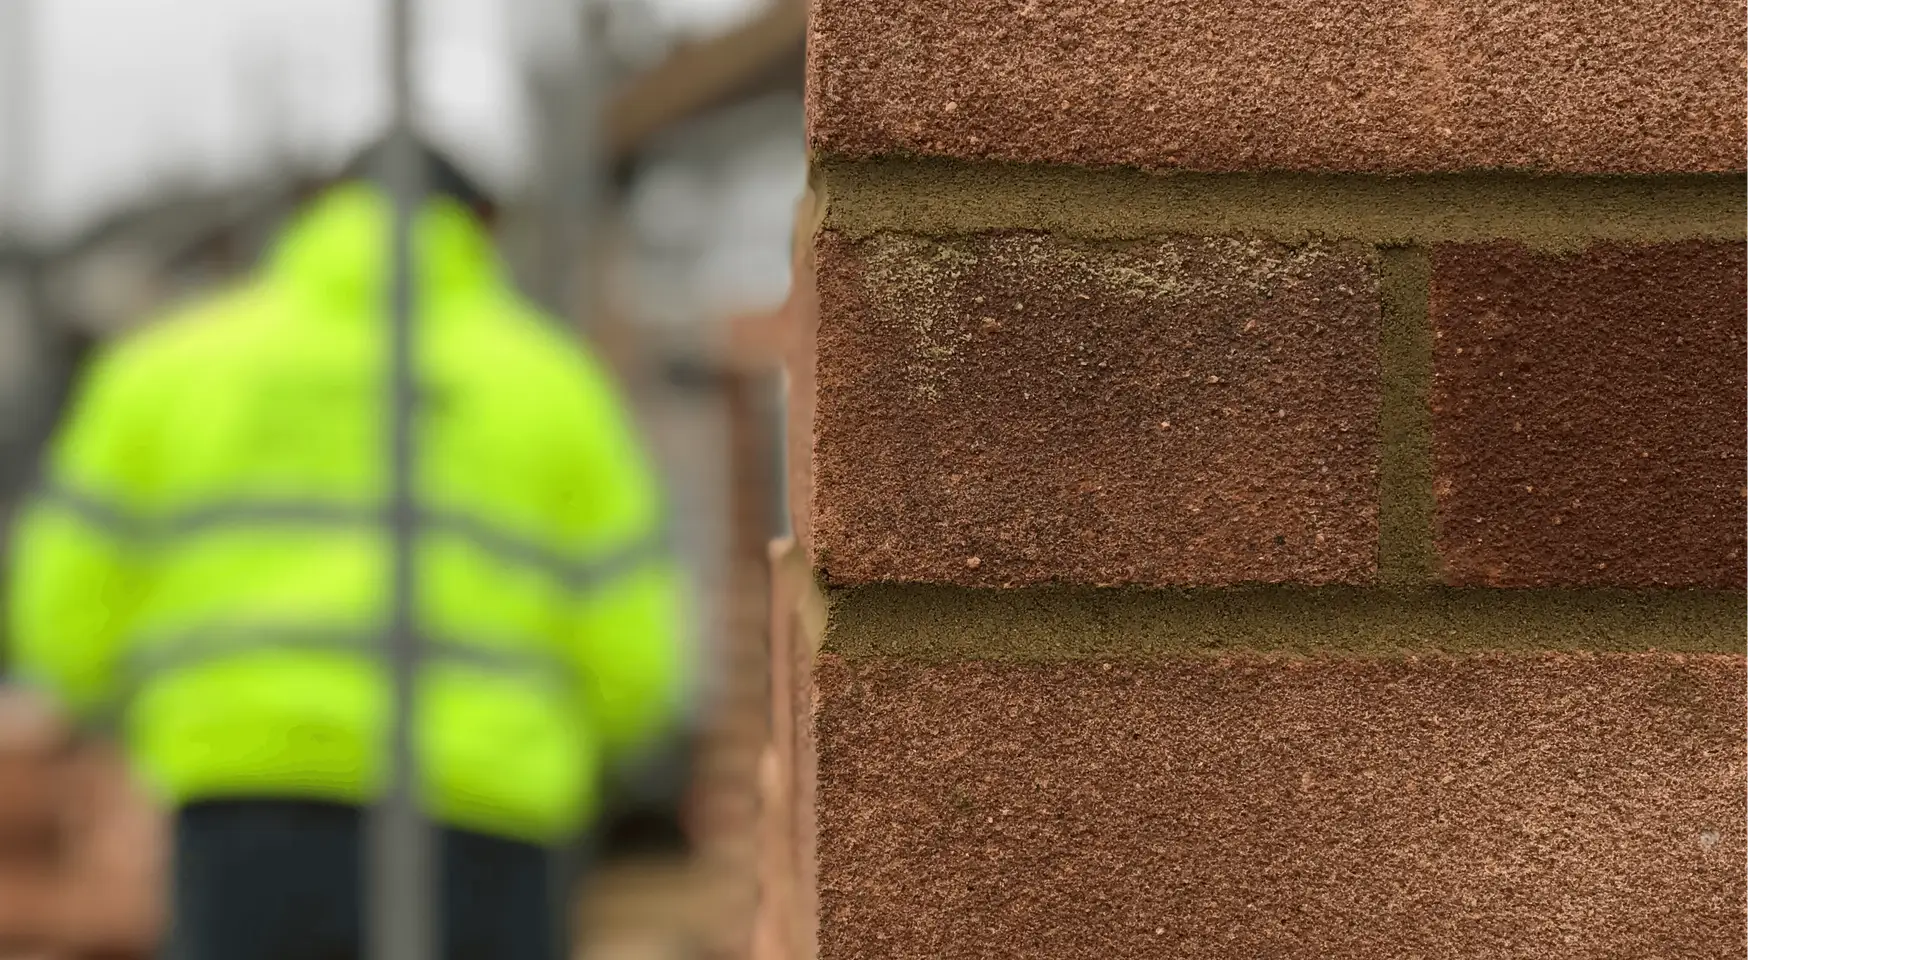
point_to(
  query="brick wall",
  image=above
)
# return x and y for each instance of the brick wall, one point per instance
(1278, 478)
(82, 851)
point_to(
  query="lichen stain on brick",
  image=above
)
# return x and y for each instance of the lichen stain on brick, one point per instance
(1176, 401)
(1161, 268)
(916, 282)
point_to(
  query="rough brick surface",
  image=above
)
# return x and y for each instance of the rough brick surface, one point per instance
(1551, 806)
(1589, 415)
(1010, 409)
(1580, 86)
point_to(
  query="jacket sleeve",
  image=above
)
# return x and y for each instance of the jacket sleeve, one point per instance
(629, 633)
(75, 573)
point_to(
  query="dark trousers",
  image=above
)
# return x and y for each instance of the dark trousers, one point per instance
(281, 880)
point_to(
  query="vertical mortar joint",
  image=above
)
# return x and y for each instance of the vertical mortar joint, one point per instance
(1407, 553)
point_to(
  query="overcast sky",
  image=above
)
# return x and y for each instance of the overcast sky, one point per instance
(128, 92)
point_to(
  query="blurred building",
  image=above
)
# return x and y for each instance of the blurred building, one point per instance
(711, 211)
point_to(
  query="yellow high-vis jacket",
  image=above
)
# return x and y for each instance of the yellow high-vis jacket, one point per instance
(209, 561)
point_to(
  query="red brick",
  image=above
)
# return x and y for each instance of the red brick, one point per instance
(1008, 409)
(99, 890)
(110, 899)
(1520, 807)
(1589, 415)
(32, 738)
(1573, 86)
(29, 803)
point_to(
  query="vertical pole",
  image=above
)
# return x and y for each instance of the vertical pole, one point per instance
(580, 204)
(401, 912)
(34, 397)
(18, 60)
(566, 82)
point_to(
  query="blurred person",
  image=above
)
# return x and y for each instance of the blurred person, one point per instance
(207, 570)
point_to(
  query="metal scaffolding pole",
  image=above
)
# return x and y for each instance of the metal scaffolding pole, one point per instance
(402, 918)
(567, 84)
(20, 66)
(31, 400)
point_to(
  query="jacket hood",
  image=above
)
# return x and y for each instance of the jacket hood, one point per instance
(338, 250)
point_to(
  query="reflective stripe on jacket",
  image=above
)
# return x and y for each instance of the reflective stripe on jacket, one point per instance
(209, 561)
